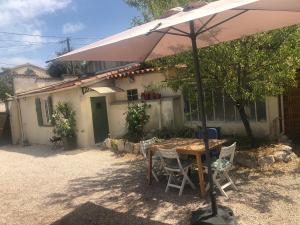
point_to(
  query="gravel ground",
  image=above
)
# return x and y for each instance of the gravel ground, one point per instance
(42, 186)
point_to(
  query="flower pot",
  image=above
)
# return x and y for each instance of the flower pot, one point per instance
(147, 96)
(151, 96)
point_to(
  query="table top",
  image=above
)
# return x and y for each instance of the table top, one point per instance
(187, 145)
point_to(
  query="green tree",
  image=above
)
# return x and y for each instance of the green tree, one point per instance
(6, 84)
(246, 70)
(58, 69)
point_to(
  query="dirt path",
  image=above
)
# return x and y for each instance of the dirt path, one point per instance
(40, 186)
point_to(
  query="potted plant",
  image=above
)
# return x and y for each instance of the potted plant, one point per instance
(63, 119)
(114, 144)
(136, 119)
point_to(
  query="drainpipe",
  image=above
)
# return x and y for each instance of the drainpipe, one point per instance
(160, 115)
(20, 120)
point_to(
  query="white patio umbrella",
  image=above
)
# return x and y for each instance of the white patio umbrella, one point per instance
(196, 26)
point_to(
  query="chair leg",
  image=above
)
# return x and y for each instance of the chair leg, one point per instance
(188, 179)
(155, 176)
(230, 180)
(217, 183)
(182, 184)
(169, 181)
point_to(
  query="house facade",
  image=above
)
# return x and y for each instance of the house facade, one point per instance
(101, 102)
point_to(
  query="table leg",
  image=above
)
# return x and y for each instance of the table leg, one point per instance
(150, 167)
(200, 174)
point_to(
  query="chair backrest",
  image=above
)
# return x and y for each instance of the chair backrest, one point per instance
(212, 133)
(144, 145)
(168, 156)
(228, 153)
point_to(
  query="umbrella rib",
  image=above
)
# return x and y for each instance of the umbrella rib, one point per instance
(224, 21)
(206, 23)
(149, 53)
(171, 33)
(181, 31)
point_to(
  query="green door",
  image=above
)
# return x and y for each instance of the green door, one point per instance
(100, 122)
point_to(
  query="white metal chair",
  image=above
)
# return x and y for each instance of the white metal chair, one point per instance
(144, 145)
(173, 165)
(220, 168)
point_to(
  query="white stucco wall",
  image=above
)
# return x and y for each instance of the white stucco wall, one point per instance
(22, 70)
(161, 112)
(166, 112)
(22, 84)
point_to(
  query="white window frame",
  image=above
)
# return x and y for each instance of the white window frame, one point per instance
(224, 108)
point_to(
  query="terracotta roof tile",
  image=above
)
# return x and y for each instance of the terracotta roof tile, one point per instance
(132, 69)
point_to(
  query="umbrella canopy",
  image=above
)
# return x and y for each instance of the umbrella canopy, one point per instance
(215, 22)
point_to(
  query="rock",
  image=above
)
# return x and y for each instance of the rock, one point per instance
(286, 148)
(280, 156)
(266, 160)
(121, 145)
(107, 143)
(290, 157)
(129, 147)
(136, 148)
(245, 159)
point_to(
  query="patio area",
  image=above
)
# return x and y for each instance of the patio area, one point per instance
(93, 186)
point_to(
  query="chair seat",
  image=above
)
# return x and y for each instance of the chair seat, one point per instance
(225, 164)
(173, 164)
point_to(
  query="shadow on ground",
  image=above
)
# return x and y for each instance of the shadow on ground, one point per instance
(125, 188)
(92, 214)
(40, 151)
(255, 193)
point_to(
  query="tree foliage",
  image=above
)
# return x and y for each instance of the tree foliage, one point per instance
(247, 69)
(63, 119)
(58, 69)
(6, 84)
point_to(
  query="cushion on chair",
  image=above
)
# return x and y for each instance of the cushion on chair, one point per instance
(225, 164)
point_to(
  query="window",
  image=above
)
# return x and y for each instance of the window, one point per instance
(221, 108)
(44, 111)
(132, 95)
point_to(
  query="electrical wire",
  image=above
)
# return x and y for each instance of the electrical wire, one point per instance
(45, 36)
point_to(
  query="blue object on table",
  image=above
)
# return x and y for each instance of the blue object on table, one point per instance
(212, 133)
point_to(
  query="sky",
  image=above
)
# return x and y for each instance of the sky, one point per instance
(51, 22)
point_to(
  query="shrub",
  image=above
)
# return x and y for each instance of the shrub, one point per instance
(64, 122)
(136, 119)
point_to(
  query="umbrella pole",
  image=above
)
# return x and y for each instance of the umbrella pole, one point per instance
(215, 214)
(198, 78)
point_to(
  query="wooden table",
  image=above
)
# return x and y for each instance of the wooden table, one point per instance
(188, 147)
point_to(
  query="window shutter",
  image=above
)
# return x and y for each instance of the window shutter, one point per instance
(50, 105)
(39, 111)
